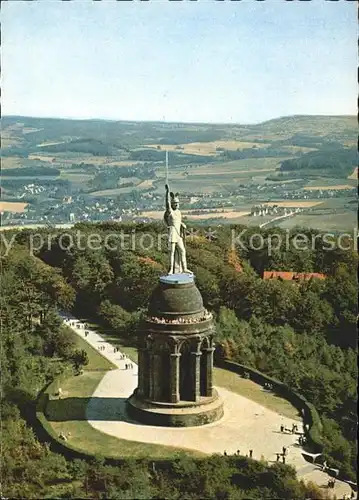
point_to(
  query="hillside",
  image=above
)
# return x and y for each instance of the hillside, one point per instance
(111, 168)
(33, 132)
(312, 125)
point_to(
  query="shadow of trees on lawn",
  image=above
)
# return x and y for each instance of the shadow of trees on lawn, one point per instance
(109, 409)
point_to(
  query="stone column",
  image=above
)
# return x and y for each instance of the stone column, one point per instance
(196, 372)
(174, 376)
(141, 360)
(143, 372)
(156, 379)
(151, 375)
(208, 353)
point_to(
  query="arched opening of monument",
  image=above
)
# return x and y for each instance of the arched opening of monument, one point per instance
(203, 368)
(145, 369)
(185, 388)
(165, 376)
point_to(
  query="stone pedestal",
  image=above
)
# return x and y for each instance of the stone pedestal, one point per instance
(176, 359)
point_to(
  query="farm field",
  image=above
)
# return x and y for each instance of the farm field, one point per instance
(43, 157)
(326, 188)
(77, 158)
(138, 185)
(30, 178)
(145, 184)
(184, 186)
(50, 143)
(220, 173)
(294, 203)
(227, 214)
(12, 206)
(211, 148)
(121, 163)
(338, 203)
(21, 227)
(217, 168)
(11, 162)
(99, 160)
(206, 148)
(330, 182)
(245, 165)
(112, 192)
(76, 178)
(214, 177)
(354, 175)
(344, 221)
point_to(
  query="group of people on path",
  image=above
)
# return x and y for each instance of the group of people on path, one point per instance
(347, 497)
(128, 365)
(121, 356)
(83, 326)
(250, 454)
(283, 454)
(292, 431)
(331, 483)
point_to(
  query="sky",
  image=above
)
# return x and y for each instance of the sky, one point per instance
(192, 61)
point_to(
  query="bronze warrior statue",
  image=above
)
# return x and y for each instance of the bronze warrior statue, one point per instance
(176, 234)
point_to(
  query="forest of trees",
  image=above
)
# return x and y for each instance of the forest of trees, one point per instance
(89, 146)
(254, 152)
(32, 171)
(159, 156)
(334, 158)
(15, 183)
(303, 334)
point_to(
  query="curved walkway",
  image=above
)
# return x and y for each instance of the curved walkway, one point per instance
(246, 425)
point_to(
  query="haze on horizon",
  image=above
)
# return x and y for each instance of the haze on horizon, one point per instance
(204, 61)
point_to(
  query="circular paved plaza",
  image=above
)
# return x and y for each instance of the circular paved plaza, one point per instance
(246, 425)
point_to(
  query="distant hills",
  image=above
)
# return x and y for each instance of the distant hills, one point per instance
(311, 146)
(31, 133)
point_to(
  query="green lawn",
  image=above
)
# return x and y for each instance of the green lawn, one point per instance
(109, 335)
(96, 360)
(235, 383)
(68, 416)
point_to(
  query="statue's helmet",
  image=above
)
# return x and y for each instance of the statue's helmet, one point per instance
(174, 199)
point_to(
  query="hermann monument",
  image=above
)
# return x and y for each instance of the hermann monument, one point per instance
(175, 356)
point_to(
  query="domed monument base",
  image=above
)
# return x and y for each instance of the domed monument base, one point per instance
(175, 361)
(182, 414)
